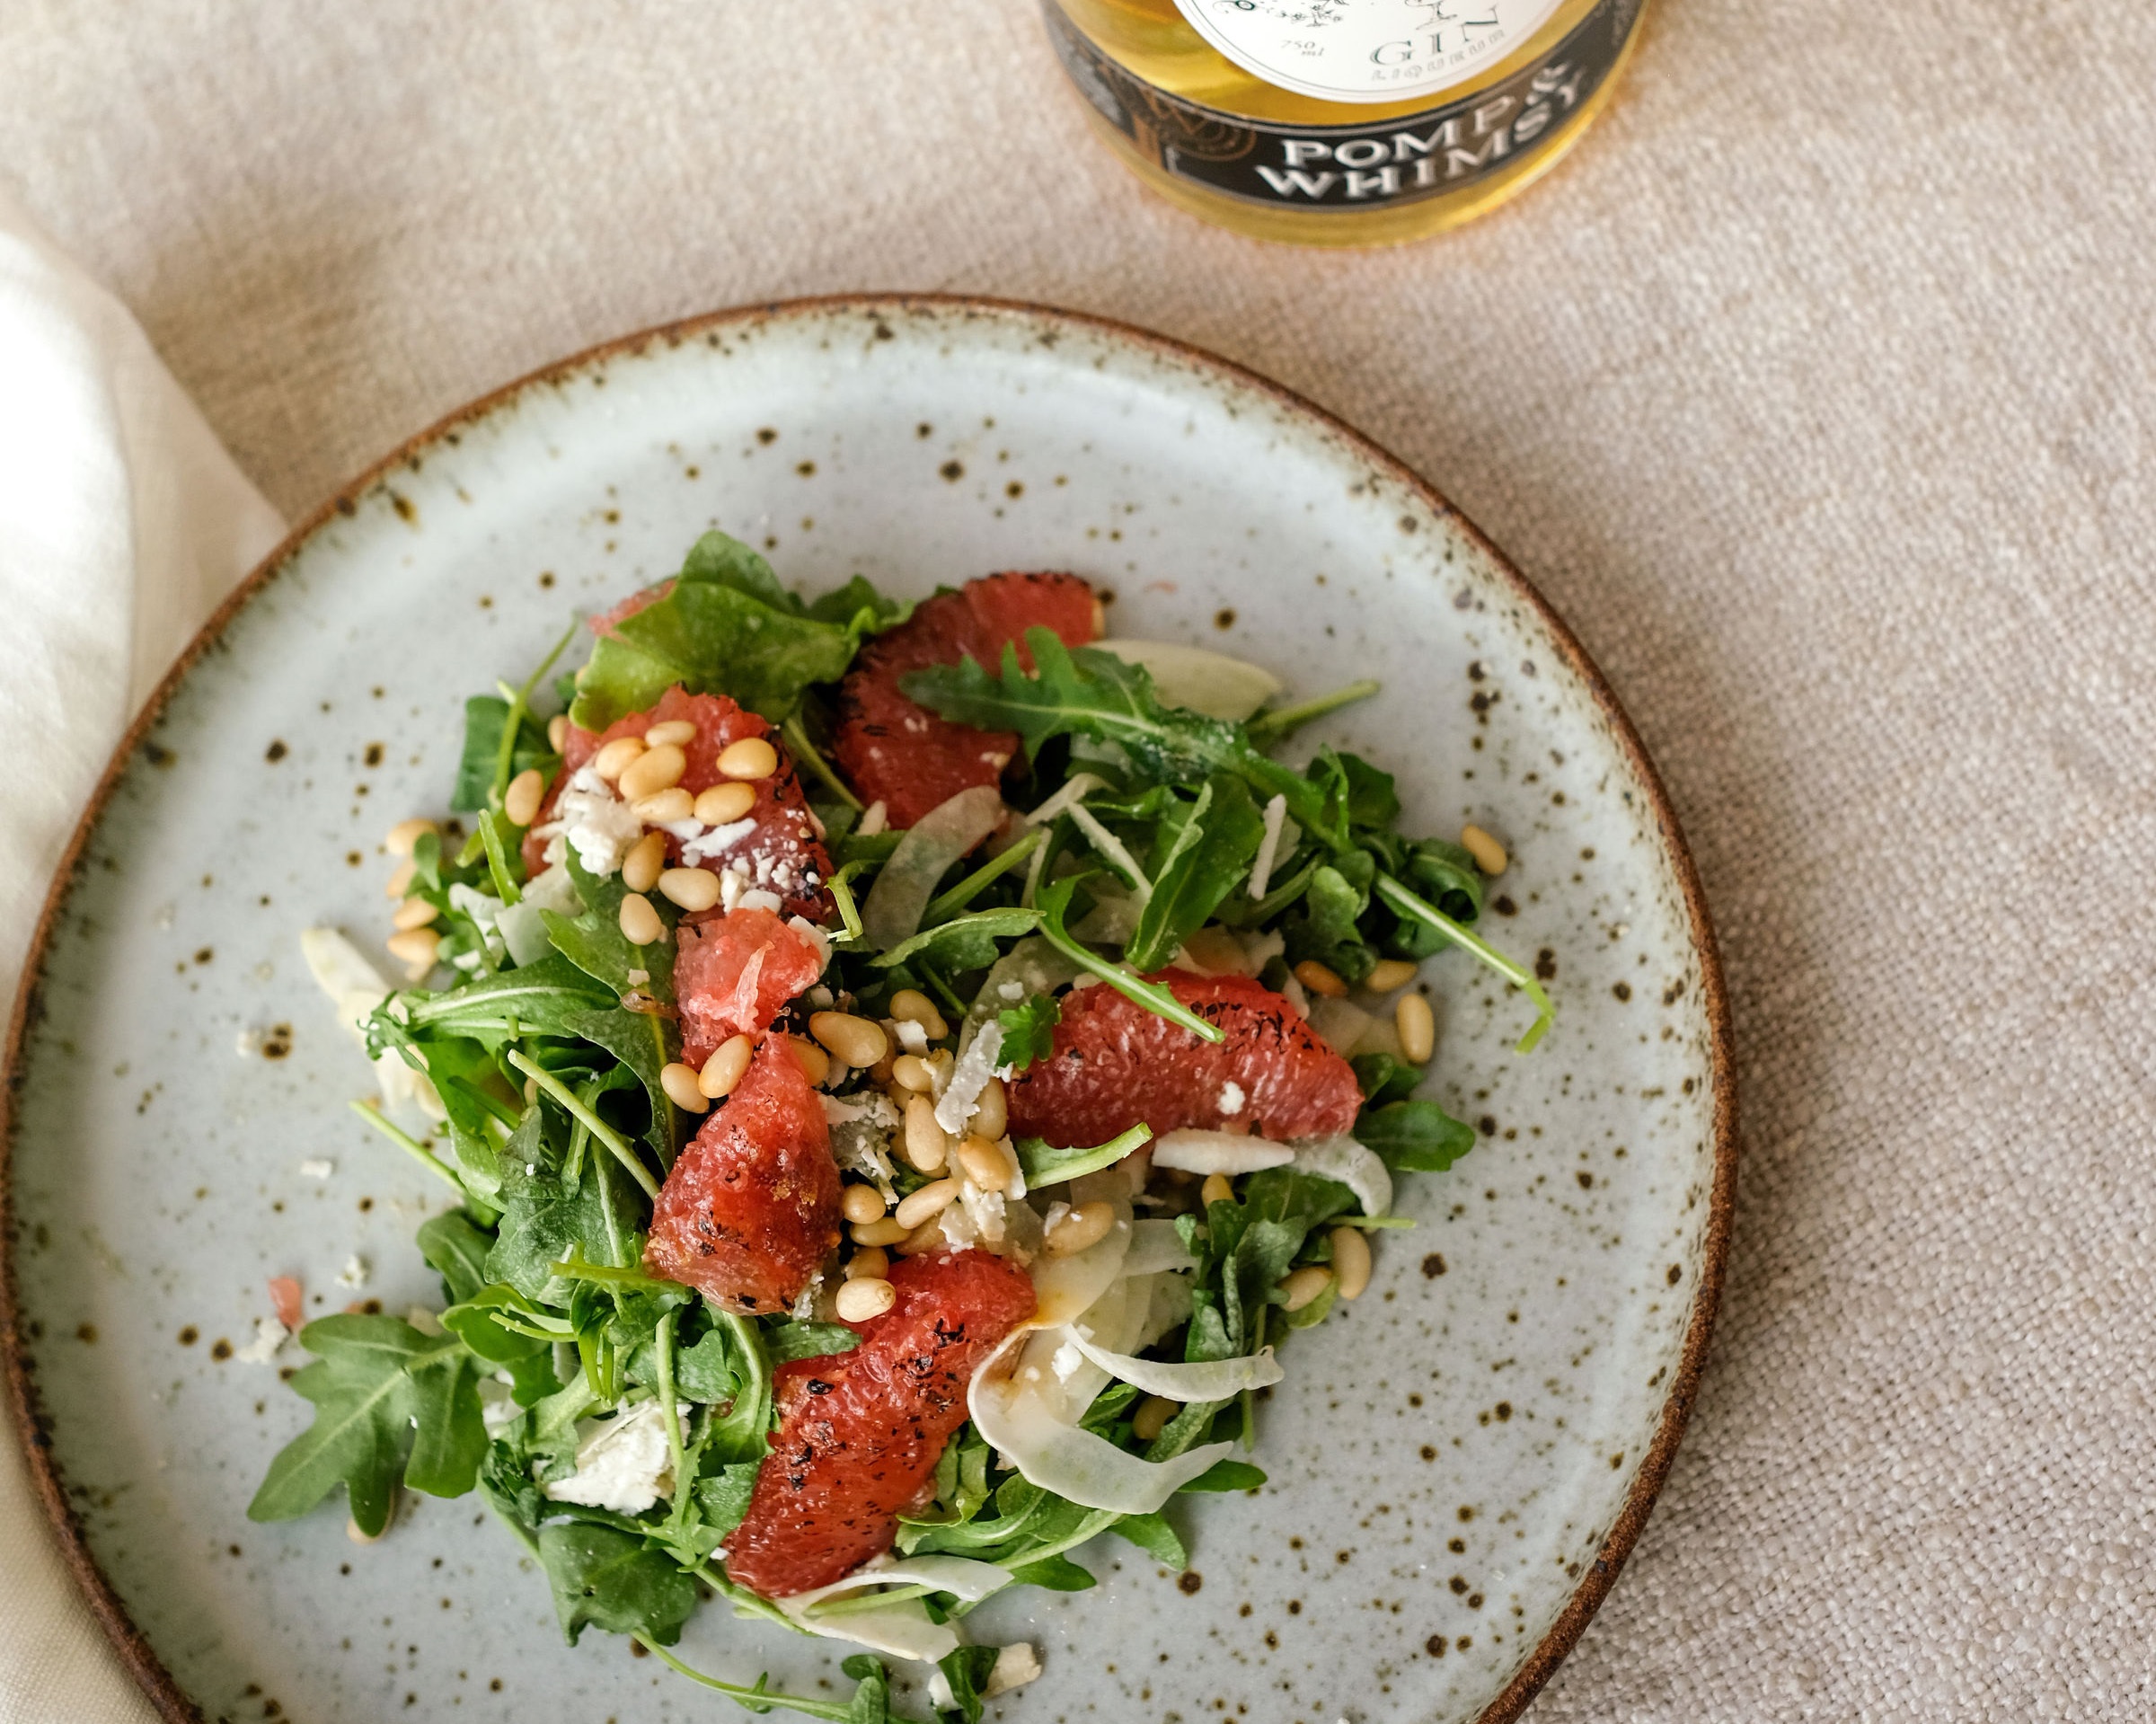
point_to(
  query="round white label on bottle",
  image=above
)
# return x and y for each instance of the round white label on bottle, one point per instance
(1365, 51)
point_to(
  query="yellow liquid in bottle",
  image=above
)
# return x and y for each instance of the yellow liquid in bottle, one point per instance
(1229, 143)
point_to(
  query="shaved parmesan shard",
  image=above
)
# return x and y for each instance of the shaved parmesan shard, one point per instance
(1208, 1380)
(1355, 1166)
(1191, 1151)
(1112, 850)
(1202, 681)
(893, 909)
(356, 988)
(1076, 789)
(970, 1077)
(1269, 846)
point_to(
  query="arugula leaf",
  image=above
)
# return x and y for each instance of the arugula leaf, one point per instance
(966, 1671)
(544, 1217)
(1405, 905)
(642, 1042)
(1205, 852)
(457, 1251)
(539, 999)
(1029, 1029)
(1045, 1164)
(727, 627)
(1384, 1078)
(847, 605)
(484, 717)
(1373, 800)
(604, 1578)
(789, 1341)
(1054, 903)
(594, 943)
(1228, 1475)
(723, 1496)
(1325, 930)
(1053, 1573)
(964, 942)
(448, 1436)
(1152, 1534)
(1414, 1136)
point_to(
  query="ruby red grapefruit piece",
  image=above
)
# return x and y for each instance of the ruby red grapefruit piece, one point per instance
(860, 1433)
(903, 756)
(734, 973)
(778, 849)
(750, 1210)
(1116, 1065)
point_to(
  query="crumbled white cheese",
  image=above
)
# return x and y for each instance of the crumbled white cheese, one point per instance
(970, 1077)
(592, 820)
(911, 1037)
(1015, 1666)
(874, 819)
(637, 977)
(354, 1273)
(318, 1170)
(1012, 991)
(625, 1464)
(268, 1336)
(356, 988)
(815, 935)
(699, 849)
(1231, 1098)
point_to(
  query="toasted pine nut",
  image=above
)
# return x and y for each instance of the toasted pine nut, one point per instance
(870, 1297)
(683, 1089)
(521, 800)
(400, 882)
(654, 770)
(984, 1162)
(1351, 1261)
(663, 808)
(1489, 853)
(910, 1072)
(1216, 1190)
(991, 1111)
(886, 1231)
(674, 732)
(646, 861)
(910, 1006)
(723, 804)
(1388, 973)
(557, 731)
(611, 761)
(752, 758)
(926, 1146)
(640, 922)
(726, 1067)
(1152, 1416)
(930, 1199)
(403, 835)
(1085, 1225)
(868, 1260)
(1305, 1284)
(1417, 1029)
(859, 1041)
(414, 913)
(861, 1203)
(816, 1063)
(693, 889)
(415, 949)
(1318, 979)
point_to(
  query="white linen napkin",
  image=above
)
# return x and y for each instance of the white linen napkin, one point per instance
(122, 523)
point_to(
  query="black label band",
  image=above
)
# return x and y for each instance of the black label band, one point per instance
(1350, 168)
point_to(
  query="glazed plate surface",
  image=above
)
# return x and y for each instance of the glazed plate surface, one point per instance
(1457, 1463)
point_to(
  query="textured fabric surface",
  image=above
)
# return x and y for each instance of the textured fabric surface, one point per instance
(1816, 391)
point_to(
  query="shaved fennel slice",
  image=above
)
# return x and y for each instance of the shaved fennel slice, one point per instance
(1155, 1245)
(356, 988)
(1191, 1151)
(893, 909)
(1017, 1418)
(1340, 1024)
(900, 1630)
(960, 1575)
(1066, 1287)
(1211, 682)
(1355, 1166)
(1208, 1380)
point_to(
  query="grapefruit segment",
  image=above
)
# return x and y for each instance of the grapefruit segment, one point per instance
(734, 973)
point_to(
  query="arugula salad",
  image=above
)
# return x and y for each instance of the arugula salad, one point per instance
(899, 1073)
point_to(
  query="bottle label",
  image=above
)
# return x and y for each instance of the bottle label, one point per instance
(1351, 169)
(1365, 51)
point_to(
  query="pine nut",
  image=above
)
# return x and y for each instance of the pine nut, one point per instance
(868, 1260)
(646, 861)
(414, 913)
(926, 1146)
(870, 1297)
(1215, 951)
(1305, 1285)
(682, 1087)
(816, 1063)
(728, 1065)
(674, 733)
(941, 1064)
(640, 922)
(984, 1162)
(861, 1203)
(654, 770)
(1417, 1026)
(521, 800)
(886, 1232)
(910, 1006)
(557, 731)
(1085, 1225)
(693, 889)
(991, 1111)
(910, 1072)
(1388, 973)
(415, 949)
(723, 804)
(859, 1041)
(752, 758)
(663, 808)
(930, 1199)
(1489, 853)
(400, 882)
(1152, 1416)
(614, 759)
(1351, 1261)
(406, 833)
(1216, 1190)
(1318, 979)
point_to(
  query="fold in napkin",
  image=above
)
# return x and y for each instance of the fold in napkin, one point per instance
(122, 523)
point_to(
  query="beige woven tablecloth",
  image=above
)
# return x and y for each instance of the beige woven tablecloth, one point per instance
(1818, 392)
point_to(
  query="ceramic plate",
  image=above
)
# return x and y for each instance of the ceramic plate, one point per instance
(1458, 1465)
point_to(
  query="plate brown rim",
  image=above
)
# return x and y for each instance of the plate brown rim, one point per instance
(23, 1404)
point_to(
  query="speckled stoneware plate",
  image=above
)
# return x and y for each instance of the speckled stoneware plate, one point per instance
(1459, 1463)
